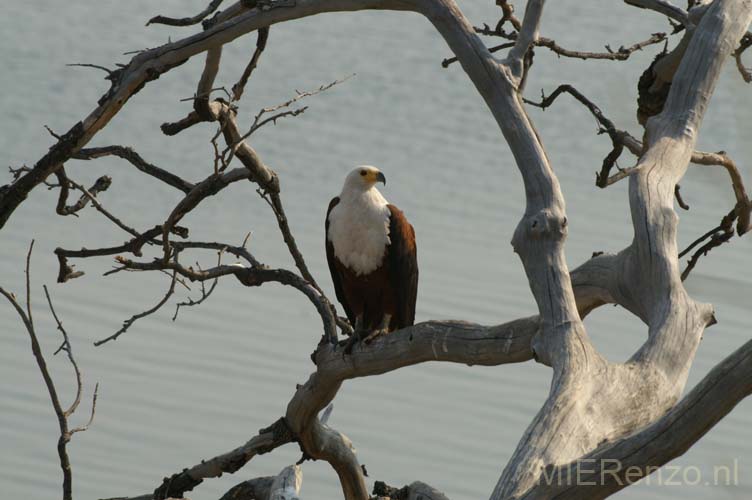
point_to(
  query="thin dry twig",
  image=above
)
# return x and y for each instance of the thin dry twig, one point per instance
(239, 87)
(602, 178)
(715, 238)
(62, 415)
(204, 293)
(679, 199)
(100, 185)
(95, 66)
(18, 172)
(186, 21)
(129, 322)
(66, 346)
(137, 161)
(133, 246)
(86, 426)
(258, 122)
(743, 45)
(621, 54)
(27, 272)
(104, 211)
(248, 276)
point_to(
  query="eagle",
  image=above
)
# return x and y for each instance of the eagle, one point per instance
(370, 248)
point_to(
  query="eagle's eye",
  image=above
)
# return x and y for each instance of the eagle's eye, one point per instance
(362, 172)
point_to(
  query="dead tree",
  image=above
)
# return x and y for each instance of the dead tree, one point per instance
(598, 414)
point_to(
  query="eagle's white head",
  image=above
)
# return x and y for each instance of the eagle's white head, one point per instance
(359, 223)
(362, 178)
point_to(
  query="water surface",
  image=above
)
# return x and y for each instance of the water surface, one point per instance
(173, 393)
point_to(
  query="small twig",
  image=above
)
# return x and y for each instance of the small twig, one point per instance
(133, 246)
(251, 277)
(66, 346)
(620, 54)
(679, 199)
(602, 178)
(28, 284)
(91, 416)
(186, 21)
(717, 240)
(53, 134)
(103, 211)
(174, 128)
(239, 87)
(446, 62)
(62, 415)
(18, 172)
(137, 161)
(258, 122)
(743, 204)
(137, 51)
(95, 66)
(127, 323)
(101, 185)
(204, 293)
(699, 240)
(206, 94)
(180, 280)
(743, 45)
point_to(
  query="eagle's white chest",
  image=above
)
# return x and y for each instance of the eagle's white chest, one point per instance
(359, 230)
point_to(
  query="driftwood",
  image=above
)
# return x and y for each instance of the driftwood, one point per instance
(608, 417)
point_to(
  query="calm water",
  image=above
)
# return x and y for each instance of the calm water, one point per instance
(172, 393)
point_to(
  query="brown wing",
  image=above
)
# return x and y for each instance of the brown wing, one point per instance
(331, 259)
(403, 265)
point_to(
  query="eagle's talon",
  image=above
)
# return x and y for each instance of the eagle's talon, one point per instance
(374, 335)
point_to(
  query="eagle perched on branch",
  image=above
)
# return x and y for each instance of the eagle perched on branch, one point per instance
(372, 257)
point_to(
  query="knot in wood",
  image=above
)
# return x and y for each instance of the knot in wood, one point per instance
(546, 223)
(651, 93)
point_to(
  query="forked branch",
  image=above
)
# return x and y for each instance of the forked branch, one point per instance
(62, 414)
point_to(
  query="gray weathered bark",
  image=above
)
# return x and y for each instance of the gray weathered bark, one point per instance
(596, 410)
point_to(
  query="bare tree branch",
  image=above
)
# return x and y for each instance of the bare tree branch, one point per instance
(62, 415)
(204, 293)
(101, 184)
(129, 322)
(239, 87)
(623, 399)
(621, 54)
(186, 21)
(266, 440)
(744, 45)
(95, 66)
(137, 161)
(66, 346)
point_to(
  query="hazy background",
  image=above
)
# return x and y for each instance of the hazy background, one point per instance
(173, 393)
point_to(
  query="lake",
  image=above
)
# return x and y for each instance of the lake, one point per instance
(175, 392)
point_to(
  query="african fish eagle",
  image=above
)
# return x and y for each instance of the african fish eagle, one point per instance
(370, 248)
